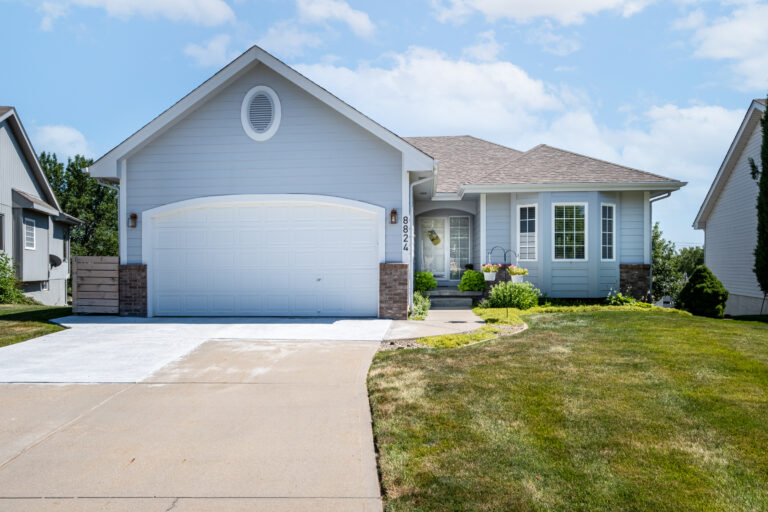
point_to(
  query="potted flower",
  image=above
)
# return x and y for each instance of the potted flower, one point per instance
(517, 274)
(489, 271)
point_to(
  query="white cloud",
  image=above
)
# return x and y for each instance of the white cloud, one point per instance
(486, 48)
(287, 39)
(319, 11)
(65, 141)
(556, 44)
(51, 11)
(740, 38)
(564, 11)
(200, 12)
(214, 52)
(424, 92)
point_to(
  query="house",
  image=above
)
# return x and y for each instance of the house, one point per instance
(729, 218)
(34, 231)
(261, 193)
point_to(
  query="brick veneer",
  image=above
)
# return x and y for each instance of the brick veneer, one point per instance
(635, 280)
(393, 291)
(133, 290)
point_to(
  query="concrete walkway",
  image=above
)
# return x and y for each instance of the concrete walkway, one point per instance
(437, 322)
(233, 425)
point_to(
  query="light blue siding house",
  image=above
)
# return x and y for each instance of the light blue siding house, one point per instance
(34, 231)
(261, 193)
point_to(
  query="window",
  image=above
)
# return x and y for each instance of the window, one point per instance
(526, 240)
(260, 113)
(2, 232)
(570, 231)
(44, 286)
(29, 234)
(608, 231)
(459, 245)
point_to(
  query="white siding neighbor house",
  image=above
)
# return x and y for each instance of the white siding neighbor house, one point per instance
(261, 193)
(34, 231)
(728, 217)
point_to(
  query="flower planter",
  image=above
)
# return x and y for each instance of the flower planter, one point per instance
(490, 276)
(517, 279)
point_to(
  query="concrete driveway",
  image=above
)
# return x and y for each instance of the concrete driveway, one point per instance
(230, 423)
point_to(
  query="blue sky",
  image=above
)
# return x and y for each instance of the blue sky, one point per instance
(659, 85)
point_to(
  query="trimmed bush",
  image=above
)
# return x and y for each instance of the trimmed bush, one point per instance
(421, 306)
(513, 295)
(472, 281)
(424, 281)
(9, 285)
(704, 294)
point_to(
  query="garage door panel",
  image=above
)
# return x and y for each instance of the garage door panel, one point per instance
(266, 259)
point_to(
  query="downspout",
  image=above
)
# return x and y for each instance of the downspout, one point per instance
(413, 231)
(663, 196)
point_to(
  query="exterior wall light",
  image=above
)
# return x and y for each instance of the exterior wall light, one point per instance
(393, 216)
(132, 220)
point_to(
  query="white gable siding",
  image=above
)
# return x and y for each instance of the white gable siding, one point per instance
(731, 229)
(315, 151)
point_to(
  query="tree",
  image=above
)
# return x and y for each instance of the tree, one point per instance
(761, 176)
(688, 259)
(81, 196)
(704, 294)
(665, 274)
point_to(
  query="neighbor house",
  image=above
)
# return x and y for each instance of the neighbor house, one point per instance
(261, 193)
(728, 217)
(34, 231)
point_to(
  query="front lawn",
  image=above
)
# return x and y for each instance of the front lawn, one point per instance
(589, 409)
(22, 322)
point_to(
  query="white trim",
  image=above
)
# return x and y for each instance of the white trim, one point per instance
(44, 286)
(276, 113)
(564, 187)
(122, 206)
(535, 226)
(148, 216)
(105, 167)
(483, 242)
(647, 228)
(30, 222)
(586, 233)
(729, 162)
(613, 238)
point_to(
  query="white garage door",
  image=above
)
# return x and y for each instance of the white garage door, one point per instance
(265, 258)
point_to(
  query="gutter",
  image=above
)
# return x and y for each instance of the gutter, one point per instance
(659, 198)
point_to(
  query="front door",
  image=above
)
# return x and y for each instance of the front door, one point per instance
(445, 246)
(434, 254)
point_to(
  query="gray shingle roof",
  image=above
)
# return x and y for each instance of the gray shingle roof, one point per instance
(462, 159)
(3, 110)
(760, 101)
(470, 161)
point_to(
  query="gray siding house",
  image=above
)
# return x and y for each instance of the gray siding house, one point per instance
(729, 218)
(34, 232)
(261, 193)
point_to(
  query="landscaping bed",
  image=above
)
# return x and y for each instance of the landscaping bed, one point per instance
(591, 408)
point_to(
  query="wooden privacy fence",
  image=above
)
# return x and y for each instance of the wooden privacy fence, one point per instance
(95, 284)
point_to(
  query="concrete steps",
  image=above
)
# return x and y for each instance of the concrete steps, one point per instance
(449, 297)
(451, 302)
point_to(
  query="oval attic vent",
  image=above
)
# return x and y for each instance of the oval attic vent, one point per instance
(260, 113)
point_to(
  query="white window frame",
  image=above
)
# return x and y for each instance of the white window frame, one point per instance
(613, 234)
(28, 223)
(44, 286)
(535, 226)
(586, 233)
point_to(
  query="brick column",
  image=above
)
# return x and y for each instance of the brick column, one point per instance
(133, 290)
(393, 291)
(635, 280)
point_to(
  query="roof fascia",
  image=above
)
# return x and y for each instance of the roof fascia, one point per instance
(734, 151)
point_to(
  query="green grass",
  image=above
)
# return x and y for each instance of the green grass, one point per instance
(589, 409)
(23, 322)
(485, 333)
